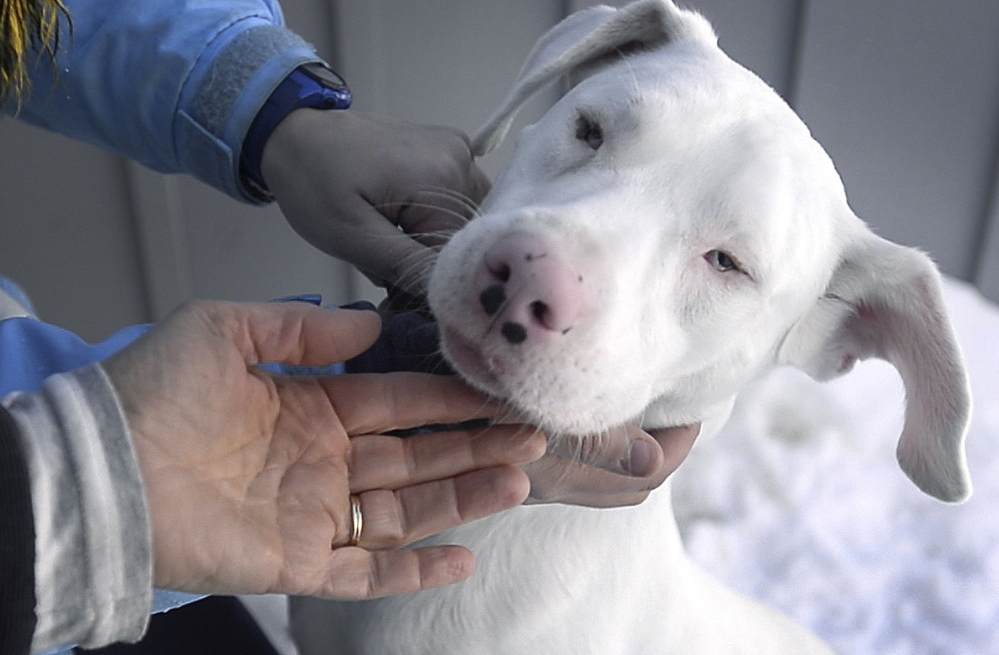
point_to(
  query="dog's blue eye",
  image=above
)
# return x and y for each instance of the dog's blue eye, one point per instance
(722, 261)
(589, 132)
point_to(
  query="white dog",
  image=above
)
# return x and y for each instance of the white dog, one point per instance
(667, 232)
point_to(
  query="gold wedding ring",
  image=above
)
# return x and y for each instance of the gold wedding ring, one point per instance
(356, 520)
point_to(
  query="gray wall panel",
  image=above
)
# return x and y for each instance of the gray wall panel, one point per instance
(759, 34)
(238, 252)
(68, 237)
(987, 273)
(905, 96)
(445, 62)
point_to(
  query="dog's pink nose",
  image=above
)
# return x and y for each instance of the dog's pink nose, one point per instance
(529, 288)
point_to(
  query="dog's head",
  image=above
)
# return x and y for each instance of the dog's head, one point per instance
(670, 230)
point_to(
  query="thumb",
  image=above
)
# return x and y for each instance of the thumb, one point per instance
(625, 449)
(299, 334)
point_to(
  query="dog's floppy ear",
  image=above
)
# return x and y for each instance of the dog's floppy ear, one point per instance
(584, 38)
(885, 301)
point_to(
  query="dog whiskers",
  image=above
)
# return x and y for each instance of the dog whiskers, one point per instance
(467, 203)
(446, 201)
(453, 213)
(414, 270)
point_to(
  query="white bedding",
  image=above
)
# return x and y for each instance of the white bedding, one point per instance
(799, 502)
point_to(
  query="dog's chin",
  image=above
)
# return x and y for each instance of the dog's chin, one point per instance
(468, 360)
(532, 402)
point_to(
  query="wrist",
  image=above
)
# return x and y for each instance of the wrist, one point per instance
(312, 85)
(290, 154)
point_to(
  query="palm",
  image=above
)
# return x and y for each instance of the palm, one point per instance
(249, 490)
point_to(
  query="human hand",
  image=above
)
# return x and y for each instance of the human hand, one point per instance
(617, 468)
(378, 193)
(248, 475)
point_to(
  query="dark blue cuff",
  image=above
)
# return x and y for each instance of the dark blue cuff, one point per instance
(408, 342)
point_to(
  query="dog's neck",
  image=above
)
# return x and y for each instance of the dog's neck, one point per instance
(550, 578)
(551, 558)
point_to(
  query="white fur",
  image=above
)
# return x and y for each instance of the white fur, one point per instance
(698, 155)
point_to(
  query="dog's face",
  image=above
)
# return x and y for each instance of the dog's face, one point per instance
(665, 233)
(666, 184)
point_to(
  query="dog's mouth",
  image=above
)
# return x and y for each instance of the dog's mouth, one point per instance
(468, 359)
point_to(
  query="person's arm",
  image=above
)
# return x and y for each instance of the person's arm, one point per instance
(93, 568)
(173, 84)
(17, 544)
(177, 84)
(72, 438)
(134, 462)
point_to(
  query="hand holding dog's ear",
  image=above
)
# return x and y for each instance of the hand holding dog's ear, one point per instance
(375, 192)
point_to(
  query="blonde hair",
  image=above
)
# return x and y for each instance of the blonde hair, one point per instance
(26, 26)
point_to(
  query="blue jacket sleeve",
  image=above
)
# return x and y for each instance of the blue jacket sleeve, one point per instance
(173, 84)
(31, 351)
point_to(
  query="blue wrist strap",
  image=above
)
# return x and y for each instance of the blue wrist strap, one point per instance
(310, 85)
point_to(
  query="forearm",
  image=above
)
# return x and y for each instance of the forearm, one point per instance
(93, 567)
(173, 84)
(17, 543)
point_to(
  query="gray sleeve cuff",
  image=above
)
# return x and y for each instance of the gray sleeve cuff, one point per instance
(223, 95)
(93, 567)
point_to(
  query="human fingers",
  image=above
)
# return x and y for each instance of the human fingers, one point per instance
(378, 461)
(395, 242)
(429, 215)
(395, 518)
(431, 212)
(380, 403)
(290, 333)
(625, 449)
(357, 574)
(429, 186)
(630, 450)
(354, 184)
(676, 444)
(572, 479)
(379, 249)
(436, 184)
(555, 479)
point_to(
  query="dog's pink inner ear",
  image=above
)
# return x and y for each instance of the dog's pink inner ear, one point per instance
(886, 301)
